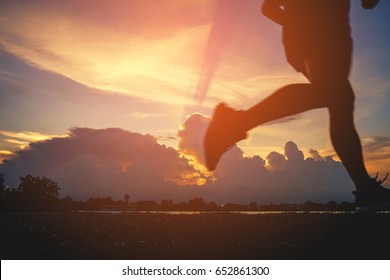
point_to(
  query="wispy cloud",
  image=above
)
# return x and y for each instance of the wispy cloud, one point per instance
(377, 154)
(141, 115)
(16, 141)
(151, 57)
(103, 57)
(376, 143)
(25, 136)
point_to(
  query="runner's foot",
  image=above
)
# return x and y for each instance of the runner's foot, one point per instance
(374, 198)
(223, 132)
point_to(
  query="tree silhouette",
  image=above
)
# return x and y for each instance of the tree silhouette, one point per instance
(253, 206)
(2, 185)
(167, 204)
(2, 181)
(99, 202)
(2, 191)
(196, 203)
(38, 193)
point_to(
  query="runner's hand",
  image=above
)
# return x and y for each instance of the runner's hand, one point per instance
(369, 4)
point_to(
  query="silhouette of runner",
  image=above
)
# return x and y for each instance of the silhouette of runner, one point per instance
(317, 41)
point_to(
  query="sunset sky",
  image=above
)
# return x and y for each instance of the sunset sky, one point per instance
(143, 66)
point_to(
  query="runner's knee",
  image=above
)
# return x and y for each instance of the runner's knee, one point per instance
(336, 96)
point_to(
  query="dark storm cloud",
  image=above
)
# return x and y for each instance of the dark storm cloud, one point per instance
(100, 162)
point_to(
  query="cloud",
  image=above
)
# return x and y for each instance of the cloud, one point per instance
(31, 136)
(377, 148)
(279, 179)
(102, 162)
(276, 161)
(315, 154)
(112, 162)
(191, 134)
(376, 143)
(287, 177)
(147, 49)
(293, 154)
(20, 140)
(4, 154)
(119, 47)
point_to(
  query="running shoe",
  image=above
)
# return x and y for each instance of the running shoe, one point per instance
(374, 198)
(223, 132)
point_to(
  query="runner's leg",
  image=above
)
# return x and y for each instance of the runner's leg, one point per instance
(332, 83)
(286, 101)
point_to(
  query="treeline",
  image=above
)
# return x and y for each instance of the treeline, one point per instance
(42, 194)
(32, 194)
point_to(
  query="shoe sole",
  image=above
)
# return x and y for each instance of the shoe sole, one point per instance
(373, 208)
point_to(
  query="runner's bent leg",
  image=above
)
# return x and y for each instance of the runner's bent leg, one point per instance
(286, 101)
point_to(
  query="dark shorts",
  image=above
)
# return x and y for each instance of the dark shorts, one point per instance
(298, 49)
(326, 64)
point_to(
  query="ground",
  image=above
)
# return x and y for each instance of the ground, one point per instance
(105, 236)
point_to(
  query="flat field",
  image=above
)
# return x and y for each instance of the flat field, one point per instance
(95, 235)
